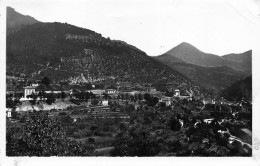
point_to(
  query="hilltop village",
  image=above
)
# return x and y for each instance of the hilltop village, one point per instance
(125, 122)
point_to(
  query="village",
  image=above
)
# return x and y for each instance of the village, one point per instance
(99, 118)
(158, 79)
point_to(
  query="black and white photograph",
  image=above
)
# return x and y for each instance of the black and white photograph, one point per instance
(130, 78)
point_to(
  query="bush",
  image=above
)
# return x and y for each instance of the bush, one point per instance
(70, 108)
(76, 135)
(75, 101)
(174, 124)
(51, 98)
(23, 119)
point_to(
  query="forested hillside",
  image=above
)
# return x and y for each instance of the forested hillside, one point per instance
(72, 54)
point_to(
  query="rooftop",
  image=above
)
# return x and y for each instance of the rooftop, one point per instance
(30, 87)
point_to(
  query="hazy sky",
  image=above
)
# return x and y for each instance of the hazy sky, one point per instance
(155, 26)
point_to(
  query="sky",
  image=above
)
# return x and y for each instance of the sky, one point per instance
(155, 26)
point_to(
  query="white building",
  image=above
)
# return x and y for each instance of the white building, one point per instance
(177, 93)
(110, 91)
(88, 51)
(105, 103)
(166, 100)
(97, 91)
(28, 90)
(151, 89)
(9, 113)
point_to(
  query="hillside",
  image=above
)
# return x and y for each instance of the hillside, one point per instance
(239, 90)
(214, 79)
(15, 21)
(169, 58)
(67, 53)
(246, 56)
(190, 54)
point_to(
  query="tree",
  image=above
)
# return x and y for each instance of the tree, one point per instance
(50, 98)
(147, 120)
(118, 97)
(127, 96)
(123, 127)
(91, 140)
(137, 141)
(135, 97)
(105, 96)
(140, 96)
(9, 103)
(80, 95)
(94, 102)
(34, 97)
(163, 104)
(174, 124)
(154, 101)
(89, 86)
(123, 96)
(9, 95)
(132, 98)
(92, 96)
(42, 136)
(42, 94)
(18, 95)
(169, 94)
(63, 95)
(93, 128)
(46, 81)
(151, 101)
(147, 97)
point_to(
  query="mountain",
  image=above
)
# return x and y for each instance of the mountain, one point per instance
(191, 54)
(242, 62)
(214, 73)
(214, 79)
(239, 90)
(15, 21)
(246, 56)
(67, 53)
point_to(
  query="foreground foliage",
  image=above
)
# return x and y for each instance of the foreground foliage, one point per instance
(42, 136)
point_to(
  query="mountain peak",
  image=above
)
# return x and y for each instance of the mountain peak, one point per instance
(191, 54)
(15, 20)
(8, 8)
(185, 44)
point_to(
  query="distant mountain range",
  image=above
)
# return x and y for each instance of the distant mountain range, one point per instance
(191, 54)
(213, 72)
(67, 53)
(243, 57)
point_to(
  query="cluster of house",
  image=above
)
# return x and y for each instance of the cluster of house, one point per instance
(168, 100)
(100, 111)
(222, 101)
(35, 89)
